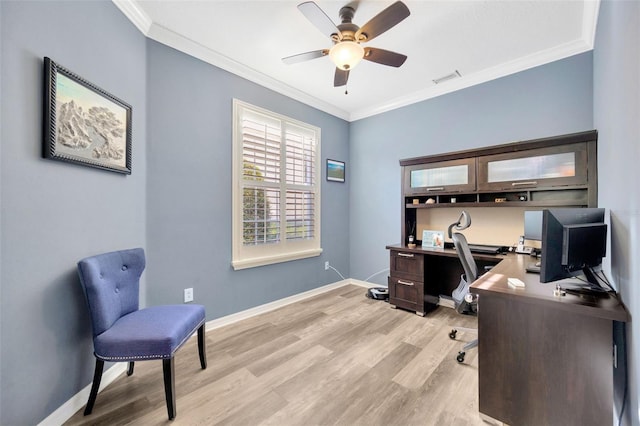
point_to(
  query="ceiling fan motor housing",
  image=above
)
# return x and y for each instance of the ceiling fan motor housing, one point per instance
(347, 28)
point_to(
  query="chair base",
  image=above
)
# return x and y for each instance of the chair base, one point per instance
(168, 372)
(169, 386)
(469, 345)
(97, 377)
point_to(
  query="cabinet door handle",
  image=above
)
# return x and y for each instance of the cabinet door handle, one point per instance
(440, 188)
(404, 282)
(524, 183)
(405, 254)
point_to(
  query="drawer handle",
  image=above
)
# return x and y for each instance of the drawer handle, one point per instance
(405, 254)
(404, 282)
(524, 183)
(439, 188)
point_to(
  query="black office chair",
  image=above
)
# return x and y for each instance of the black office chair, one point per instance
(464, 302)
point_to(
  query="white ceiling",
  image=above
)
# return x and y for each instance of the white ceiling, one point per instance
(483, 40)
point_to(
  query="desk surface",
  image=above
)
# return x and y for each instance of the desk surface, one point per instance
(445, 252)
(514, 266)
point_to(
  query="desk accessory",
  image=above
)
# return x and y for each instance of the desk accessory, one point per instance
(432, 239)
(515, 283)
(521, 248)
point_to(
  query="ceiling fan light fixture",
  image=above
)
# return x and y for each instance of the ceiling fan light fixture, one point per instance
(346, 54)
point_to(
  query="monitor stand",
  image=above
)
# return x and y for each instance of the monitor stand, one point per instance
(591, 288)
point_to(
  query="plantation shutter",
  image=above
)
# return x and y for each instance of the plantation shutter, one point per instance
(278, 182)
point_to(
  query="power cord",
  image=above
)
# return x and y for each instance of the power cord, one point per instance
(377, 273)
(337, 272)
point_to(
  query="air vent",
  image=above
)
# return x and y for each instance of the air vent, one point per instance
(447, 77)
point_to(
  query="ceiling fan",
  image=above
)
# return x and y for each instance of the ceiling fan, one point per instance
(347, 37)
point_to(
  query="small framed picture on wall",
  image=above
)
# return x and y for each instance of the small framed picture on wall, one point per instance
(335, 171)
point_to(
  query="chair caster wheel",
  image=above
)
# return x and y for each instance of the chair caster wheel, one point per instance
(460, 357)
(452, 334)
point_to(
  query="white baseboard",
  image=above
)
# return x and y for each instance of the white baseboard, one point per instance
(268, 307)
(78, 401)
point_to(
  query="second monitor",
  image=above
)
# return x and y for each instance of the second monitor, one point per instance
(574, 241)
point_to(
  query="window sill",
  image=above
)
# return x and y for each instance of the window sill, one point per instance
(270, 260)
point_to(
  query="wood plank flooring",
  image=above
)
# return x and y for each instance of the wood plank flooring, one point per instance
(335, 359)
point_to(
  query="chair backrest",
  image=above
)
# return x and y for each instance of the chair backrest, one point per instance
(112, 283)
(466, 258)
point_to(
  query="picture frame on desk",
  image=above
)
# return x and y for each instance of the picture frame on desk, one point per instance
(432, 239)
(84, 124)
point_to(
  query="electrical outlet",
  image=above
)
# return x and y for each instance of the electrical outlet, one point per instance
(326, 266)
(188, 295)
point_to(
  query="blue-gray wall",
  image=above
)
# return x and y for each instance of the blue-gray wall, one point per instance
(617, 118)
(176, 202)
(545, 101)
(189, 189)
(54, 213)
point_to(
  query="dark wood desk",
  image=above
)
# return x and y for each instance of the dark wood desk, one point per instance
(417, 276)
(543, 359)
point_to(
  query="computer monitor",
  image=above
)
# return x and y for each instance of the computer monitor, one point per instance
(574, 241)
(533, 225)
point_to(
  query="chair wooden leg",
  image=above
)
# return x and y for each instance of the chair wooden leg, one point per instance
(202, 347)
(130, 369)
(169, 387)
(97, 377)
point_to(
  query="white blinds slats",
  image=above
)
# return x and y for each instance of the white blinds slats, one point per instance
(266, 141)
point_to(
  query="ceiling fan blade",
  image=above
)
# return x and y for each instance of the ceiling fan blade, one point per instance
(301, 57)
(340, 78)
(318, 18)
(384, 20)
(384, 57)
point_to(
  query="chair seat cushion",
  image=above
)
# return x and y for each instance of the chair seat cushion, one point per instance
(151, 333)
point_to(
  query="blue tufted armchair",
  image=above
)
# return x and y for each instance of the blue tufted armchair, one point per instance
(124, 333)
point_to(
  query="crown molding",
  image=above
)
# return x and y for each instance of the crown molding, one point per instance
(135, 14)
(590, 21)
(177, 41)
(521, 64)
(172, 39)
(197, 50)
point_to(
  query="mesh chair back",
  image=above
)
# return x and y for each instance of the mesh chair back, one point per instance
(466, 258)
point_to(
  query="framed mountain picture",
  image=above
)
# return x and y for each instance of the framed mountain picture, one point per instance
(84, 124)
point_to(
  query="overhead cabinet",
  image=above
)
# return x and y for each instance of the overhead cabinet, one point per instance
(535, 168)
(551, 172)
(441, 177)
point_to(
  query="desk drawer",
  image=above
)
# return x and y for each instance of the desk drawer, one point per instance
(406, 294)
(407, 265)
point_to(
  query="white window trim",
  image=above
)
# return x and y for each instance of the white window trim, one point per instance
(251, 256)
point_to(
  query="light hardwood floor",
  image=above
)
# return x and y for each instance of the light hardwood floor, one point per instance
(338, 358)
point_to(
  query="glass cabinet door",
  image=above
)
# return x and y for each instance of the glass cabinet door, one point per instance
(440, 177)
(543, 167)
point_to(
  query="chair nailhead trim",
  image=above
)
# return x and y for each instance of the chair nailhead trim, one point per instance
(139, 357)
(127, 358)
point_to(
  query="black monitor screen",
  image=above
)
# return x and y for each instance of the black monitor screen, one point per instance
(573, 241)
(533, 225)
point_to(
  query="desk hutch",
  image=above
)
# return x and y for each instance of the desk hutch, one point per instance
(542, 359)
(551, 172)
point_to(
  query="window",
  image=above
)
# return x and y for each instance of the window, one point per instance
(276, 188)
